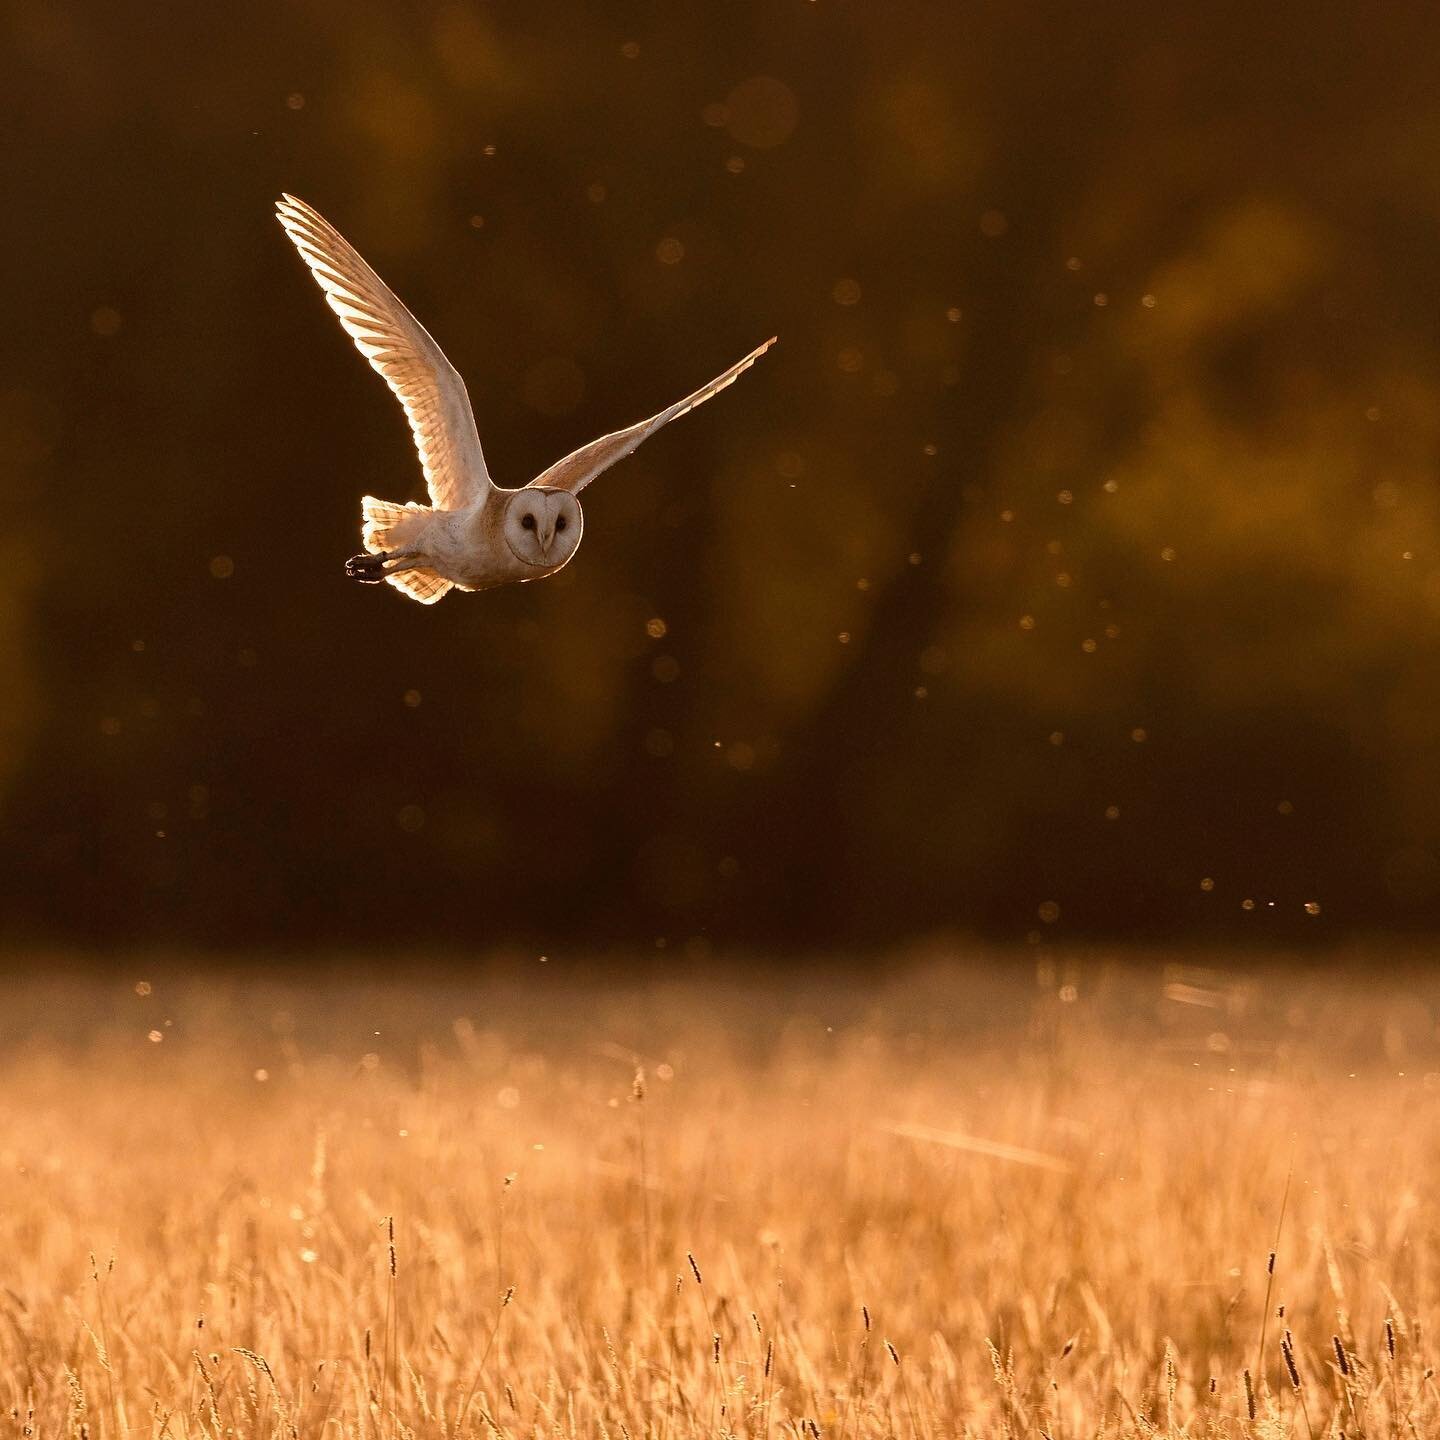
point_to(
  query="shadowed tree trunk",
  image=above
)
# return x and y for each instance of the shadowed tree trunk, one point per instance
(813, 812)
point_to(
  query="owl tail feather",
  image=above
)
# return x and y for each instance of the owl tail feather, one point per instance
(423, 585)
(383, 531)
(380, 518)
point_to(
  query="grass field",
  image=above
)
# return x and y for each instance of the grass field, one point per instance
(945, 1200)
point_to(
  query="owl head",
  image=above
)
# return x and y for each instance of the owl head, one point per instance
(542, 526)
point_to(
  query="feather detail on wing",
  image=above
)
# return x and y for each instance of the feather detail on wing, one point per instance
(401, 350)
(576, 471)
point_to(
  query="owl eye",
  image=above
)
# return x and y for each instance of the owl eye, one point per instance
(560, 524)
(528, 522)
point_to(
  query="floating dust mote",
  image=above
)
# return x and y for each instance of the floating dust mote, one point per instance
(950, 1209)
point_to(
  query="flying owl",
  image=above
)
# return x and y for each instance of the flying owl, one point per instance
(474, 535)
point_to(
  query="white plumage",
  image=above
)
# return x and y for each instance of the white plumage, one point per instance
(474, 534)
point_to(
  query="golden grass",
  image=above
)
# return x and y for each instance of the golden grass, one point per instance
(953, 1204)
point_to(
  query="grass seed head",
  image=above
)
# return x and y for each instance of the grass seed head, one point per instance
(1288, 1353)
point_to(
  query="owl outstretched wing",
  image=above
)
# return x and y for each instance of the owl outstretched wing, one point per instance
(576, 471)
(401, 350)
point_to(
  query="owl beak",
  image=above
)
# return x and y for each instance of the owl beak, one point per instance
(545, 537)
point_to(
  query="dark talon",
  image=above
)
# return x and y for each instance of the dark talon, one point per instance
(367, 569)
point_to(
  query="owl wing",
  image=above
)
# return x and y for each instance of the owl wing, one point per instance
(398, 346)
(576, 471)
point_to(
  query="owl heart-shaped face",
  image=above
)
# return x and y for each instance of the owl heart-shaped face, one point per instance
(542, 527)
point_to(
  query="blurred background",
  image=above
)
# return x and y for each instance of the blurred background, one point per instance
(1071, 569)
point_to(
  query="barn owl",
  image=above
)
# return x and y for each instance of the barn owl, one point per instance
(474, 535)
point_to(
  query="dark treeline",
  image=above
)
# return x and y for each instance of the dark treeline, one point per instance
(1071, 567)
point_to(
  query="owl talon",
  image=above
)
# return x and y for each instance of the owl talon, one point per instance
(367, 569)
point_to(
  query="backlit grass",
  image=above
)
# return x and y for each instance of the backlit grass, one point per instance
(957, 1199)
